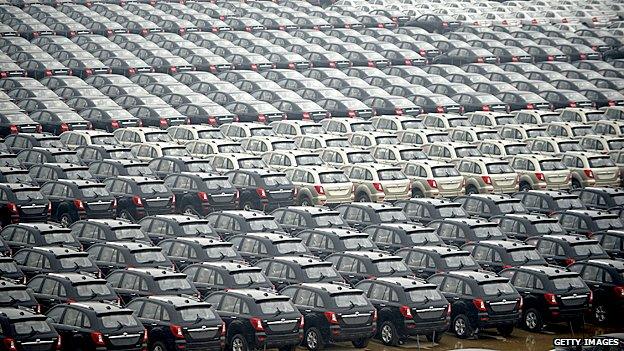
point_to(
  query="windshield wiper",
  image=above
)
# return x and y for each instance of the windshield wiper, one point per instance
(32, 332)
(499, 293)
(277, 312)
(321, 277)
(119, 326)
(351, 305)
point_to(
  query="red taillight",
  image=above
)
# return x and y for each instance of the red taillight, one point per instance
(520, 303)
(173, 203)
(202, 196)
(39, 128)
(64, 127)
(332, 318)
(59, 343)
(164, 123)
(306, 115)
(530, 106)
(114, 203)
(398, 111)
(79, 205)
(145, 336)
(256, 323)
(432, 183)
(332, 64)
(487, 180)
(177, 332)
(131, 71)
(440, 109)
(480, 60)
(254, 67)
(408, 62)
(448, 310)
(619, 291)
(550, 58)
(261, 118)
(261, 192)
(301, 322)
(589, 173)
(173, 69)
(4, 74)
(514, 59)
(115, 124)
(374, 315)
(371, 64)
(352, 114)
(223, 330)
(98, 338)
(49, 208)
(611, 103)
(406, 312)
(137, 201)
(551, 299)
(591, 297)
(319, 189)
(14, 129)
(47, 73)
(540, 176)
(378, 186)
(479, 304)
(10, 344)
(485, 107)
(507, 266)
(88, 72)
(569, 261)
(444, 24)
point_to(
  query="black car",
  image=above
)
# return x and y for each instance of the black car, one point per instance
(19, 236)
(435, 23)
(17, 325)
(480, 300)
(109, 118)
(202, 193)
(114, 167)
(605, 278)
(394, 236)
(174, 322)
(59, 121)
(425, 210)
(10, 270)
(479, 102)
(613, 242)
(54, 259)
(487, 205)
(363, 214)
(407, 307)
(459, 231)
(463, 56)
(228, 223)
(140, 196)
(160, 227)
(601, 198)
(13, 122)
(17, 142)
(355, 266)
(333, 313)
(296, 218)
(13, 294)
(184, 251)
(209, 277)
(255, 246)
(22, 203)
(122, 254)
(288, 270)
(47, 171)
(565, 98)
(52, 289)
(524, 226)
(130, 283)
(73, 200)
(549, 202)
(166, 165)
(496, 255)
(345, 107)
(589, 222)
(158, 116)
(96, 325)
(262, 189)
(550, 295)
(563, 250)
(95, 231)
(425, 261)
(323, 242)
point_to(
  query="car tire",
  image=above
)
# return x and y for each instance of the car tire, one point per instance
(360, 343)
(305, 201)
(532, 320)
(435, 337)
(505, 330)
(125, 214)
(600, 313)
(238, 343)
(65, 219)
(247, 205)
(524, 186)
(189, 210)
(158, 346)
(313, 339)
(417, 193)
(576, 184)
(471, 189)
(461, 326)
(388, 334)
(362, 198)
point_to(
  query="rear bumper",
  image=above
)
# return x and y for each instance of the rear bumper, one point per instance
(558, 314)
(273, 205)
(414, 328)
(278, 340)
(485, 320)
(338, 333)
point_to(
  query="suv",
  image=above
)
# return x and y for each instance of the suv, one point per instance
(549, 202)
(321, 186)
(590, 169)
(257, 319)
(425, 261)
(22, 203)
(209, 277)
(605, 278)
(17, 325)
(355, 266)
(183, 251)
(262, 189)
(434, 178)
(523, 226)
(256, 246)
(601, 198)
(496, 255)
(460, 231)
(480, 300)
(73, 200)
(551, 294)
(54, 259)
(288, 270)
(19, 236)
(563, 250)
(394, 236)
(333, 313)
(487, 175)
(589, 222)
(233, 222)
(161, 227)
(97, 325)
(175, 322)
(426, 210)
(407, 307)
(378, 182)
(44, 172)
(10, 270)
(323, 242)
(130, 283)
(140, 196)
(201, 193)
(541, 172)
(56, 288)
(487, 206)
(297, 218)
(17, 295)
(95, 231)
(122, 254)
(112, 168)
(281, 160)
(613, 242)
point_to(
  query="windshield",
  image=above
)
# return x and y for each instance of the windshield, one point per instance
(249, 278)
(598, 162)
(568, 283)
(488, 232)
(350, 300)
(52, 238)
(28, 195)
(218, 184)
(445, 171)
(309, 160)
(499, 168)
(452, 211)
(328, 220)
(260, 225)
(391, 174)
(199, 167)
(358, 243)
(17, 295)
(153, 188)
(94, 191)
(569, 203)
(570, 146)
(512, 207)
(460, 261)
(220, 252)
(276, 307)
(360, 157)
(609, 223)
(76, 262)
(321, 272)
(139, 171)
(119, 321)
(276, 180)
(552, 166)
(527, 255)
(392, 216)
(158, 137)
(31, 327)
(177, 283)
(96, 289)
(150, 257)
(412, 155)
(337, 177)
(548, 227)
(79, 174)
(390, 266)
(498, 288)
(291, 247)
(197, 229)
(424, 295)
(197, 313)
(589, 249)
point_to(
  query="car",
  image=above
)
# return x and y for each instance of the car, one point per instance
(362, 214)
(549, 202)
(541, 172)
(391, 237)
(488, 206)
(284, 271)
(174, 321)
(18, 295)
(470, 313)
(589, 222)
(201, 193)
(424, 261)
(12, 122)
(133, 254)
(59, 121)
(460, 231)
(23, 203)
(521, 226)
(140, 196)
(21, 141)
(22, 235)
(234, 222)
(16, 175)
(10, 270)
(591, 170)
(183, 251)
(320, 186)
(18, 322)
(600, 198)
(335, 313)
(73, 200)
(296, 218)
(487, 175)
(54, 259)
(255, 246)
(496, 255)
(425, 210)
(149, 282)
(563, 250)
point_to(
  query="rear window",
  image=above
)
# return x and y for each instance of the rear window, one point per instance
(291, 247)
(548, 227)
(92, 290)
(412, 155)
(284, 145)
(94, 191)
(467, 152)
(552, 166)
(195, 314)
(568, 283)
(8, 267)
(321, 272)
(391, 175)
(358, 243)
(80, 174)
(220, 252)
(588, 249)
(312, 130)
(129, 234)
(32, 327)
(328, 220)
(338, 143)
(197, 229)
(390, 266)
(517, 149)
(309, 160)
(525, 255)
(488, 232)
(119, 321)
(498, 289)
(444, 171)
(499, 168)
(569, 203)
(261, 225)
(249, 278)
(199, 167)
(363, 157)
(141, 171)
(459, 261)
(53, 238)
(28, 195)
(512, 207)
(104, 140)
(362, 127)
(338, 177)
(153, 188)
(609, 223)
(262, 131)
(158, 137)
(549, 118)
(218, 184)
(570, 146)
(424, 295)
(149, 257)
(276, 307)
(392, 216)
(598, 162)
(350, 300)
(275, 180)
(175, 283)
(13, 296)
(452, 211)
(76, 262)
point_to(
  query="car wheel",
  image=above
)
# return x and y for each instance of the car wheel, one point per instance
(524, 186)
(189, 210)
(532, 320)
(388, 334)
(305, 201)
(360, 343)
(471, 189)
(417, 193)
(313, 339)
(65, 219)
(126, 215)
(247, 206)
(576, 184)
(158, 346)
(435, 337)
(600, 313)
(362, 198)
(461, 326)
(505, 330)
(239, 343)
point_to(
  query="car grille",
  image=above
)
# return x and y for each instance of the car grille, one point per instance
(354, 319)
(503, 306)
(573, 300)
(124, 340)
(430, 313)
(203, 333)
(282, 326)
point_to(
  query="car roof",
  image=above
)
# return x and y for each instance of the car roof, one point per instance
(155, 272)
(332, 288)
(592, 213)
(507, 245)
(311, 210)
(100, 307)
(303, 261)
(437, 202)
(372, 255)
(480, 277)
(257, 295)
(406, 283)
(374, 205)
(231, 266)
(111, 223)
(41, 227)
(571, 239)
(548, 270)
(247, 214)
(178, 301)
(76, 277)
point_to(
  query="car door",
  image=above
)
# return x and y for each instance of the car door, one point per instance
(73, 328)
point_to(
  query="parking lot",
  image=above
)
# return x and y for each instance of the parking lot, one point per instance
(380, 175)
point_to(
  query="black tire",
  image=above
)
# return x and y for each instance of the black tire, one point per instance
(313, 339)
(461, 326)
(190, 210)
(505, 330)
(360, 343)
(158, 346)
(388, 334)
(524, 186)
(247, 205)
(417, 193)
(600, 314)
(238, 343)
(576, 184)
(125, 214)
(435, 337)
(306, 201)
(471, 189)
(65, 219)
(362, 198)
(532, 320)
